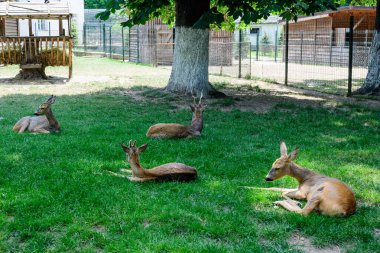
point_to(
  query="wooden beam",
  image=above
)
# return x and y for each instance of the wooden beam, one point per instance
(60, 26)
(30, 27)
(359, 22)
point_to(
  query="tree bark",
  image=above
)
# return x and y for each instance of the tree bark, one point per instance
(191, 51)
(371, 84)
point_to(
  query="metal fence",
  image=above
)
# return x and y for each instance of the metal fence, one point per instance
(328, 60)
(104, 39)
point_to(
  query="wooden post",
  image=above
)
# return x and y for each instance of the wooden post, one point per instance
(70, 58)
(350, 56)
(60, 26)
(30, 27)
(286, 52)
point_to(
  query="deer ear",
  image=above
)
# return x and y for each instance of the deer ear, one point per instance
(51, 99)
(125, 148)
(192, 108)
(293, 155)
(142, 148)
(283, 148)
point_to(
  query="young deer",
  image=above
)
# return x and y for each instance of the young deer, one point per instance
(43, 120)
(165, 172)
(328, 195)
(172, 130)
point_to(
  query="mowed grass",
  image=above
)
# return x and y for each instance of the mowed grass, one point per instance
(56, 194)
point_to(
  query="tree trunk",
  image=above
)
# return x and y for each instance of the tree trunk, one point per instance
(190, 66)
(31, 74)
(191, 51)
(371, 85)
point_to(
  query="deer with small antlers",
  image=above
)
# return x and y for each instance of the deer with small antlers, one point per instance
(172, 130)
(327, 195)
(165, 172)
(43, 120)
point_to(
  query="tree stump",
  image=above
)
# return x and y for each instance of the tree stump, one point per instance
(31, 66)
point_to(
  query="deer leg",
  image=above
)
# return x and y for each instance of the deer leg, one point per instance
(292, 201)
(271, 189)
(290, 206)
(24, 126)
(41, 131)
(310, 205)
(294, 194)
(126, 170)
(140, 179)
(116, 174)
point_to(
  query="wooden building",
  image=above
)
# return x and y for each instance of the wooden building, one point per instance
(323, 38)
(34, 53)
(153, 43)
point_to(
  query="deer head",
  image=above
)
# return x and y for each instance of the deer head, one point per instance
(281, 167)
(198, 108)
(44, 108)
(132, 151)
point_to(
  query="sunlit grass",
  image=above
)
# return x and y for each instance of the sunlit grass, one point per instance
(55, 194)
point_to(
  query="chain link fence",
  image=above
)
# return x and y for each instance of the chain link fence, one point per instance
(320, 57)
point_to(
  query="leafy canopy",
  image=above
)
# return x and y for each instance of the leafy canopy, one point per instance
(222, 13)
(95, 4)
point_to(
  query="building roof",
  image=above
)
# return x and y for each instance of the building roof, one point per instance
(35, 10)
(330, 13)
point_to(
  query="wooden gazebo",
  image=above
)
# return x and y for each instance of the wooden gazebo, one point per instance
(34, 53)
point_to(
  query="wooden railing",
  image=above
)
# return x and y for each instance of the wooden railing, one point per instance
(44, 51)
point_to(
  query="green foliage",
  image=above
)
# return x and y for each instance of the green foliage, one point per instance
(95, 4)
(265, 43)
(74, 32)
(222, 13)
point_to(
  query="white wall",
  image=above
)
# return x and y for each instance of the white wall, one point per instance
(269, 29)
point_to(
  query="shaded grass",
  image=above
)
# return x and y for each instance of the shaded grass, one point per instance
(56, 196)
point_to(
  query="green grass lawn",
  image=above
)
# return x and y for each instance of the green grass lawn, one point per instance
(56, 196)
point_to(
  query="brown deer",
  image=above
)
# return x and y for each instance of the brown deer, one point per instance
(172, 130)
(327, 195)
(165, 172)
(43, 120)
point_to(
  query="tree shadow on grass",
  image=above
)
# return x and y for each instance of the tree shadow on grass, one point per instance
(51, 181)
(56, 80)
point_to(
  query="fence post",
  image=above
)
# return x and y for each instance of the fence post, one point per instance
(250, 60)
(286, 51)
(240, 39)
(129, 44)
(85, 38)
(331, 45)
(122, 42)
(110, 47)
(301, 56)
(275, 45)
(257, 45)
(100, 36)
(350, 55)
(104, 39)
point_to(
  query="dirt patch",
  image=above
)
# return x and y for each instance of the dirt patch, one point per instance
(99, 228)
(377, 233)
(304, 244)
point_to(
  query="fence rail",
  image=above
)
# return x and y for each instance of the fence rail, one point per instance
(48, 51)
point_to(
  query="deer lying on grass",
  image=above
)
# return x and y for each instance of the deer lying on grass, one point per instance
(43, 120)
(165, 172)
(172, 130)
(328, 195)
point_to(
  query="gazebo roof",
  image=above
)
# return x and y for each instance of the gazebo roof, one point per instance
(34, 10)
